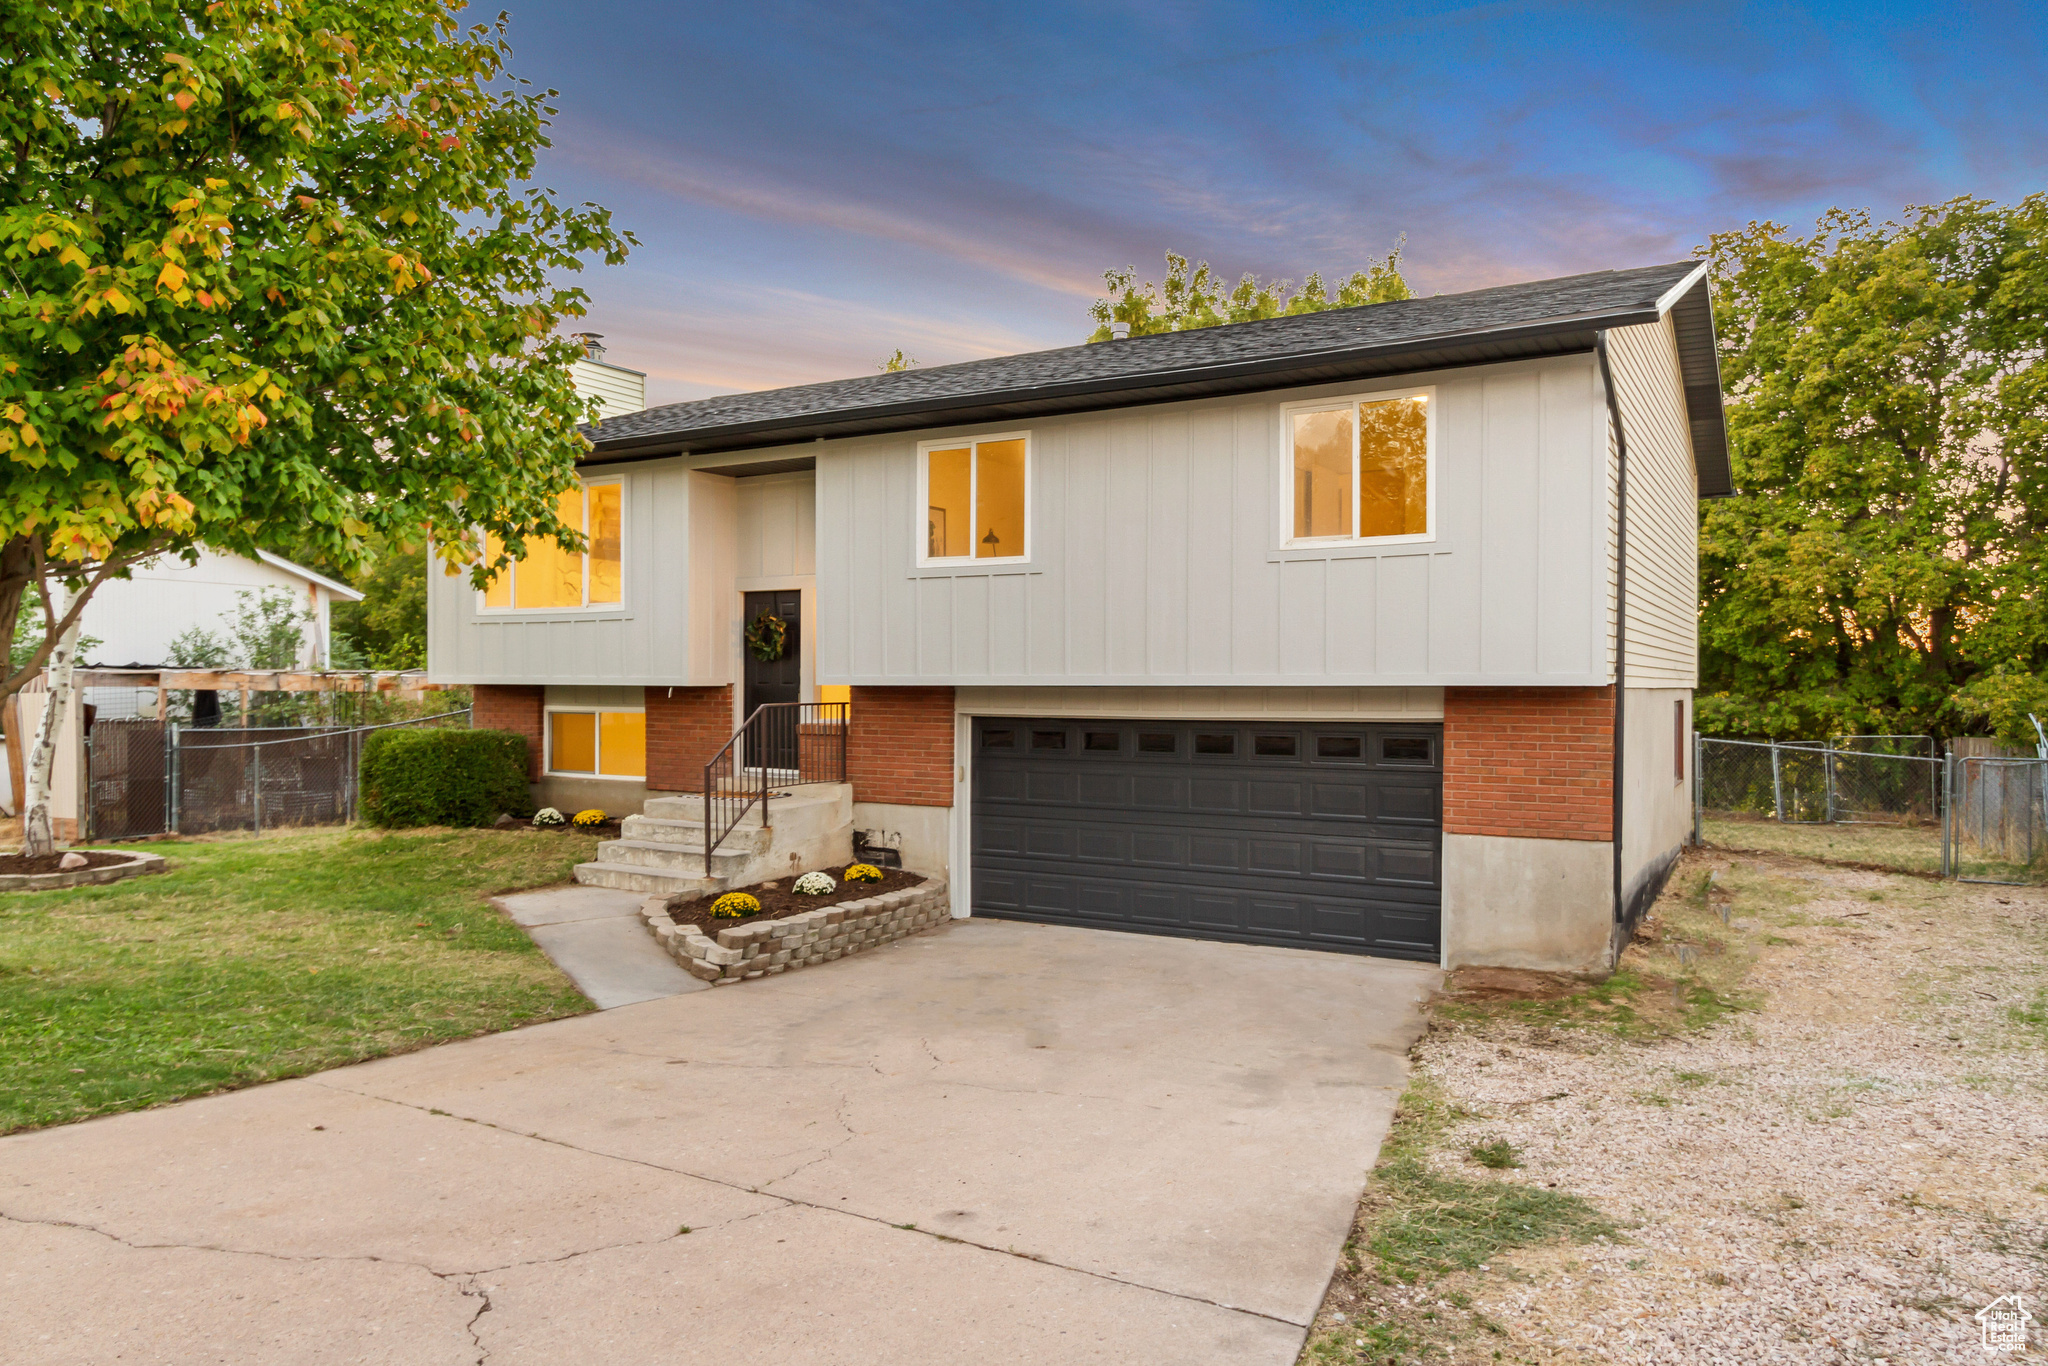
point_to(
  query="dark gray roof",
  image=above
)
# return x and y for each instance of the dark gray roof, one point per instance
(1547, 317)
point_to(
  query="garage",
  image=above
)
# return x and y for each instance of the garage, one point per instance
(1310, 835)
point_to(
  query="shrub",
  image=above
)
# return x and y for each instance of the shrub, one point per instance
(438, 776)
(733, 905)
(814, 884)
(863, 872)
(586, 820)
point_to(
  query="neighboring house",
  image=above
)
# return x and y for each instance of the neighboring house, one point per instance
(1354, 630)
(136, 619)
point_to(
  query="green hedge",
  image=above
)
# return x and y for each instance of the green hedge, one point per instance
(437, 776)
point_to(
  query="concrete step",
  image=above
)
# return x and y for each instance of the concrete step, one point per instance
(675, 858)
(743, 839)
(690, 806)
(629, 877)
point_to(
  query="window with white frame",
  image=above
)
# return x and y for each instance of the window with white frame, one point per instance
(1361, 469)
(551, 578)
(976, 496)
(593, 742)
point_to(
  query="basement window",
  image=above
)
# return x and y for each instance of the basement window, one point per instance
(597, 744)
(1360, 469)
(976, 496)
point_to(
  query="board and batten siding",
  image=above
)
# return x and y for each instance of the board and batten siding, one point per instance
(777, 528)
(675, 626)
(1156, 555)
(1663, 501)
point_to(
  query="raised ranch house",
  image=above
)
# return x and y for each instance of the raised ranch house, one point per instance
(1370, 630)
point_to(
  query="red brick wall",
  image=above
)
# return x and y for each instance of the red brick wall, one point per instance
(1535, 762)
(900, 746)
(515, 707)
(685, 727)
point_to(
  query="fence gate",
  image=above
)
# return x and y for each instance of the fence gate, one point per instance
(1997, 818)
(127, 779)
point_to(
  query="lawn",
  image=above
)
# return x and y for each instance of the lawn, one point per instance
(256, 958)
(1909, 848)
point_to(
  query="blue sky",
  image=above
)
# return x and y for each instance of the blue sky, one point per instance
(816, 185)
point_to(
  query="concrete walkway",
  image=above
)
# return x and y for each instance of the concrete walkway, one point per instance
(596, 936)
(997, 1142)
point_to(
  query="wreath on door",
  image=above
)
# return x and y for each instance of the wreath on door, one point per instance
(767, 637)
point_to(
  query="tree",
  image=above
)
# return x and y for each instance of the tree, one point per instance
(1887, 401)
(388, 628)
(1196, 297)
(899, 361)
(273, 269)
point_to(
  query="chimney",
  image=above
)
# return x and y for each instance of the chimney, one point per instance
(593, 344)
(1119, 331)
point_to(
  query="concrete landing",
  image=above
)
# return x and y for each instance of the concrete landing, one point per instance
(595, 935)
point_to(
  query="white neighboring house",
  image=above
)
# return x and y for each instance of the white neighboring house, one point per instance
(135, 619)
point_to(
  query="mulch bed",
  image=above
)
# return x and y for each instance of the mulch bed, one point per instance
(15, 864)
(611, 830)
(777, 901)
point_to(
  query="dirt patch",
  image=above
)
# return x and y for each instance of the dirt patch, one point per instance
(1509, 984)
(777, 901)
(17, 864)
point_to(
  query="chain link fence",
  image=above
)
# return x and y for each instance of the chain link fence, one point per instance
(148, 777)
(1885, 800)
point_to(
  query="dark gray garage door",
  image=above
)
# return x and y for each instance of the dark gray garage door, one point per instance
(1320, 836)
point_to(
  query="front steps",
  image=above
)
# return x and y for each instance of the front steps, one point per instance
(662, 849)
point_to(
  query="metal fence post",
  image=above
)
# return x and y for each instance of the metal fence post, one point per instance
(1699, 789)
(256, 788)
(1777, 787)
(1948, 814)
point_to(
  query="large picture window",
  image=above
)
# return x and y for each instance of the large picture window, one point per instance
(1359, 469)
(597, 744)
(553, 578)
(975, 496)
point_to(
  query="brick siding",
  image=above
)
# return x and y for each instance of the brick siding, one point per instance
(685, 728)
(516, 707)
(1533, 762)
(900, 746)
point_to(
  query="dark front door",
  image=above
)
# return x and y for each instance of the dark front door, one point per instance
(776, 680)
(1317, 835)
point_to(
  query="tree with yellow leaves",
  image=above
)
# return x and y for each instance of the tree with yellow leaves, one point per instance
(274, 270)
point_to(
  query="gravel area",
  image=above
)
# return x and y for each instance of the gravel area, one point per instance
(1843, 1170)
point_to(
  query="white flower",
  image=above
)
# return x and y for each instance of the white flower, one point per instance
(815, 884)
(547, 815)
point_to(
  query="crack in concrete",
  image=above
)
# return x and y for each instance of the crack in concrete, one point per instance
(791, 1201)
(839, 1114)
(482, 1293)
(1034, 1091)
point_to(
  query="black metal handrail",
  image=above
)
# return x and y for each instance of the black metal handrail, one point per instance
(781, 744)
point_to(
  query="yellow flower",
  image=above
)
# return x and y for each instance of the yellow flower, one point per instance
(591, 817)
(733, 905)
(863, 872)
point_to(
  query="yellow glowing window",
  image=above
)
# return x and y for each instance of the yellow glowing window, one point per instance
(1361, 470)
(975, 496)
(610, 744)
(553, 578)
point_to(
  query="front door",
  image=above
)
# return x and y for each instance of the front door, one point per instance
(774, 680)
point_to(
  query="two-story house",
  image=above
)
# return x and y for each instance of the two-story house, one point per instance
(1367, 630)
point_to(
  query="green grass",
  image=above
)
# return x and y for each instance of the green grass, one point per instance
(254, 959)
(1909, 848)
(1430, 1222)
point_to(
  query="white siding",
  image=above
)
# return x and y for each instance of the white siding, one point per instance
(672, 628)
(616, 389)
(1208, 704)
(1156, 554)
(136, 618)
(777, 531)
(1663, 522)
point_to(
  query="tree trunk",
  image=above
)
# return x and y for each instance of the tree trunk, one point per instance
(37, 838)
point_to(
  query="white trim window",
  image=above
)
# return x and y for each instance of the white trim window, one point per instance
(974, 500)
(1360, 469)
(551, 579)
(597, 742)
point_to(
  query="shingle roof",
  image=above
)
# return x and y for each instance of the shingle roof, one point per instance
(1546, 317)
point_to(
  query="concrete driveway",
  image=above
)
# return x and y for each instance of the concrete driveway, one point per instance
(996, 1142)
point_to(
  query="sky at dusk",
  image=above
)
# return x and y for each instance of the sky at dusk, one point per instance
(814, 186)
